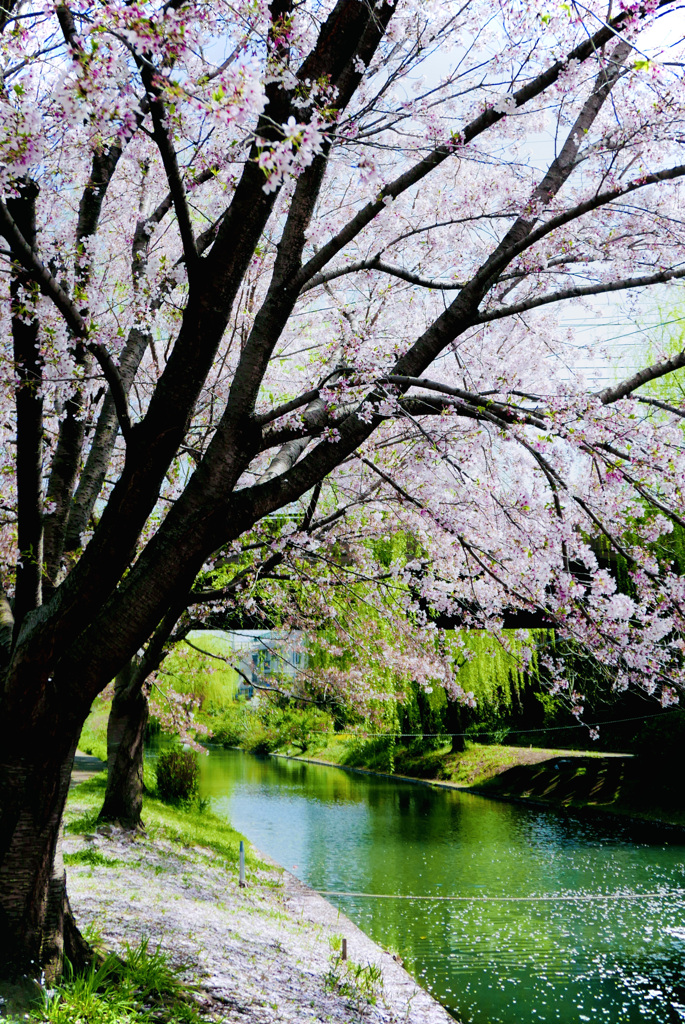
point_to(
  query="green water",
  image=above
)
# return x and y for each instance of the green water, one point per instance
(488, 962)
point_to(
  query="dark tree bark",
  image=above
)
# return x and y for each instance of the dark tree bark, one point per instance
(128, 717)
(454, 720)
(28, 362)
(37, 928)
(125, 747)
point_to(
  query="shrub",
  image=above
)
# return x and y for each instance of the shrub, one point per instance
(262, 739)
(376, 753)
(178, 775)
(228, 724)
(306, 728)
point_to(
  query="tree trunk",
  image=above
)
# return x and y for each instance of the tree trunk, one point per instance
(37, 928)
(125, 733)
(454, 721)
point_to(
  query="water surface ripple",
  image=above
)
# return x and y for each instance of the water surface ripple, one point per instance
(487, 962)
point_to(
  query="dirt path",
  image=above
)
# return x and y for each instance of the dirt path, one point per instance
(85, 765)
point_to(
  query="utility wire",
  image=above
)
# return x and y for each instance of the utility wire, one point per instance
(513, 732)
(584, 898)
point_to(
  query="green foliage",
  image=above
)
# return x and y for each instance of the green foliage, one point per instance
(202, 672)
(138, 988)
(90, 856)
(360, 983)
(377, 754)
(422, 712)
(303, 729)
(148, 971)
(228, 723)
(491, 674)
(178, 775)
(266, 725)
(263, 739)
(93, 997)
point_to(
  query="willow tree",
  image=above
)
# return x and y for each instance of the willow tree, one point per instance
(254, 247)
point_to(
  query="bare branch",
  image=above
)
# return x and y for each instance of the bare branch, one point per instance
(393, 483)
(286, 407)
(575, 293)
(166, 149)
(505, 411)
(622, 390)
(441, 153)
(383, 268)
(116, 385)
(601, 199)
(661, 405)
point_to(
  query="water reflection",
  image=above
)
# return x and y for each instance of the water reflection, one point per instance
(488, 962)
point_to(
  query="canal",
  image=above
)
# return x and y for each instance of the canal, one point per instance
(518, 945)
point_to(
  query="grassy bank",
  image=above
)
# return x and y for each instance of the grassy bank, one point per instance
(191, 825)
(94, 733)
(182, 943)
(478, 765)
(620, 784)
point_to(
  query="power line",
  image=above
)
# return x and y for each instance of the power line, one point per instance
(514, 732)
(581, 898)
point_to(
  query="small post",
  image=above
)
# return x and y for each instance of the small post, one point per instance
(344, 948)
(241, 877)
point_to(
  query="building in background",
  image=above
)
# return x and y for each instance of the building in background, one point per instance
(266, 657)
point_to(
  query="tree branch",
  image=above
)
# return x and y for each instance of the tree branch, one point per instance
(40, 274)
(78, 326)
(661, 405)
(503, 410)
(164, 144)
(28, 362)
(441, 153)
(622, 390)
(292, 406)
(68, 26)
(393, 483)
(384, 268)
(575, 293)
(595, 203)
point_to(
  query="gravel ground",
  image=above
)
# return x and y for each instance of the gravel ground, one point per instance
(259, 954)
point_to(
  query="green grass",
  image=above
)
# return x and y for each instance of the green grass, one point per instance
(94, 733)
(90, 856)
(360, 983)
(475, 766)
(192, 825)
(140, 987)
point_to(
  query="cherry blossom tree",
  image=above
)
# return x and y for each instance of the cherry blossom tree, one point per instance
(256, 248)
